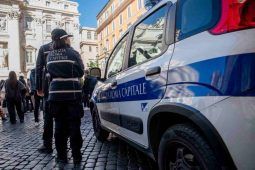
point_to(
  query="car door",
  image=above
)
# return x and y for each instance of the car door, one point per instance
(143, 84)
(107, 100)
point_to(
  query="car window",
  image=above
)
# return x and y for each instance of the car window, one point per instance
(194, 16)
(116, 60)
(148, 37)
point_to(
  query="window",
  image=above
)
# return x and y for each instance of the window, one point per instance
(139, 4)
(129, 11)
(120, 1)
(47, 3)
(195, 16)
(107, 30)
(96, 49)
(112, 8)
(113, 25)
(66, 6)
(29, 57)
(100, 21)
(107, 45)
(116, 60)
(67, 27)
(95, 36)
(3, 55)
(106, 15)
(3, 24)
(28, 23)
(48, 26)
(90, 49)
(120, 19)
(89, 35)
(148, 38)
(113, 40)
(121, 32)
(101, 48)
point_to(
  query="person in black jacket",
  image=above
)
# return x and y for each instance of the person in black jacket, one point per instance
(15, 91)
(35, 98)
(42, 87)
(65, 67)
(88, 87)
(25, 107)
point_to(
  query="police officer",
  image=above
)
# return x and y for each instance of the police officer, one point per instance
(66, 68)
(42, 91)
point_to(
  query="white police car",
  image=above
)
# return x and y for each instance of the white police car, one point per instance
(180, 85)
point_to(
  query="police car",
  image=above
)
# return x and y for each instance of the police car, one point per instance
(180, 85)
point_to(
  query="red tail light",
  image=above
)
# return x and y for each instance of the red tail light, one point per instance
(235, 15)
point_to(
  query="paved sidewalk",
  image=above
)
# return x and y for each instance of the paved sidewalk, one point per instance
(19, 143)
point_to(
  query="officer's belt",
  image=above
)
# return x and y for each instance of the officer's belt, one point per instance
(65, 79)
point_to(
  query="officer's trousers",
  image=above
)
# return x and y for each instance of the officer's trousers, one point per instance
(36, 103)
(48, 124)
(67, 123)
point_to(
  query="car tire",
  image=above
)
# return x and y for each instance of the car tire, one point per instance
(183, 147)
(99, 132)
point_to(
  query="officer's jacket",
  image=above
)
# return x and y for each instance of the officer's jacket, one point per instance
(89, 85)
(41, 70)
(65, 68)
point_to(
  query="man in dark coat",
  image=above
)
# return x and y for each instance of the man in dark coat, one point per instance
(42, 88)
(88, 87)
(36, 98)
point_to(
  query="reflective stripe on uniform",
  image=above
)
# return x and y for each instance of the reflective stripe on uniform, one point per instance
(61, 61)
(66, 91)
(66, 79)
(46, 52)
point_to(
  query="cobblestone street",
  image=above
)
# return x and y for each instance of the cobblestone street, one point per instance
(19, 143)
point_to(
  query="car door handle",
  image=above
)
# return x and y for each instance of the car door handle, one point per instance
(114, 84)
(152, 71)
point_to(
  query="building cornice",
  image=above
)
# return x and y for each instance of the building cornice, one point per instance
(88, 43)
(103, 9)
(113, 15)
(88, 28)
(52, 10)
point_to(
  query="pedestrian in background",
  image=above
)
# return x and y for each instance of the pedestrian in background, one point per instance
(42, 89)
(24, 108)
(65, 67)
(15, 91)
(88, 87)
(29, 103)
(35, 98)
(2, 97)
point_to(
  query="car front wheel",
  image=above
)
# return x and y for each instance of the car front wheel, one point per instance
(182, 147)
(100, 133)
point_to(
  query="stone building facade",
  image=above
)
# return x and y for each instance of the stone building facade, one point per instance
(88, 46)
(25, 25)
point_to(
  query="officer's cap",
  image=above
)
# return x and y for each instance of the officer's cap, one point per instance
(58, 34)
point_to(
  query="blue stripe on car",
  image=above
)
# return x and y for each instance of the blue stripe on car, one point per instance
(223, 76)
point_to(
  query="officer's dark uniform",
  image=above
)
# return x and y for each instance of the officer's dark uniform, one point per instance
(42, 84)
(66, 68)
(88, 87)
(37, 98)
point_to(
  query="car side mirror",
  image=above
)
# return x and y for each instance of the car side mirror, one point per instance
(95, 72)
